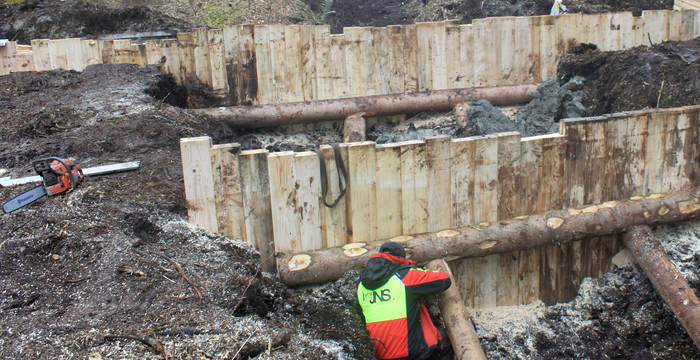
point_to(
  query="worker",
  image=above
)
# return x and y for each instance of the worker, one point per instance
(390, 295)
(557, 8)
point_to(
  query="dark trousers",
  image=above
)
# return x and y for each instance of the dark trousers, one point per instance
(445, 351)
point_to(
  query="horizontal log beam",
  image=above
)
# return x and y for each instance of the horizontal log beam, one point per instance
(258, 116)
(553, 227)
(668, 281)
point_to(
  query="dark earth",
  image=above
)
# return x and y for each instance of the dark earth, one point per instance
(94, 273)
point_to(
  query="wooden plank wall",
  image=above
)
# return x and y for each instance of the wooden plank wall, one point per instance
(261, 64)
(274, 200)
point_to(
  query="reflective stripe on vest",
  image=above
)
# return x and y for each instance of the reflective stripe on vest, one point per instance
(387, 302)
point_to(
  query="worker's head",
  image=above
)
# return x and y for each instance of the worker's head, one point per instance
(393, 248)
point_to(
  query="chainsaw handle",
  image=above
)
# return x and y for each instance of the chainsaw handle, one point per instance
(48, 161)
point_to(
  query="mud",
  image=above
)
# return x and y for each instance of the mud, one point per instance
(550, 104)
(629, 80)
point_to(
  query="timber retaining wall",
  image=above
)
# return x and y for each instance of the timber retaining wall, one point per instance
(273, 199)
(262, 64)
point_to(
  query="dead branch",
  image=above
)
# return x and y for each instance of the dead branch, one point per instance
(182, 273)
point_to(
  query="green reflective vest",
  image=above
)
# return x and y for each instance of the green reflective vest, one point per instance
(387, 302)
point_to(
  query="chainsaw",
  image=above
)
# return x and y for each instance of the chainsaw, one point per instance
(57, 176)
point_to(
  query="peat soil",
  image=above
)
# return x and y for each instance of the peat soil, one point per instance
(663, 75)
(389, 12)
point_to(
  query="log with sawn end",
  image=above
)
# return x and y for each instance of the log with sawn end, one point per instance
(668, 281)
(553, 227)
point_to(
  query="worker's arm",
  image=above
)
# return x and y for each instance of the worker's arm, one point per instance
(425, 282)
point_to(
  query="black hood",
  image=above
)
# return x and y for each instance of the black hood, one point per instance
(377, 272)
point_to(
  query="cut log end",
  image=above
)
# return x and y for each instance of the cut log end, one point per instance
(354, 249)
(554, 223)
(447, 233)
(299, 262)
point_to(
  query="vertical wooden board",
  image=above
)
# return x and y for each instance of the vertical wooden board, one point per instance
(123, 52)
(255, 185)
(673, 150)
(462, 181)
(291, 84)
(154, 52)
(463, 271)
(322, 73)
(438, 56)
(596, 162)
(548, 48)
(334, 223)
(278, 58)
(507, 48)
(654, 159)
(674, 25)
(233, 63)
(283, 198)
(338, 75)
(508, 204)
(530, 174)
(424, 45)
(529, 275)
(481, 51)
(411, 57)
(308, 199)
(486, 281)
(199, 182)
(486, 179)
(535, 56)
(396, 63)
(74, 54)
(465, 76)
(362, 195)
(553, 155)
(263, 63)
(227, 190)
(437, 159)
(172, 60)
(494, 51)
(599, 30)
(625, 23)
(414, 183)
(690, 133)
(217, 59)
(612, 33)
(247, 85)
(452, 56)
(635, 173)
(307, 54)
(388, 202)
(614, 186)
(521, 51)
(566, 280)
(201, 56)
(574, 169)
(5, 60)
(42, 58)
(382, 61)
(107, 50)
(549, 268)
(638, 32)
(655, 25)
(687, 24)
(185, 44)
(359, 54)
(508, 175)
(58, 54)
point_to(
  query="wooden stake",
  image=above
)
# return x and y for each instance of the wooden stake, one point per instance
(460, 329)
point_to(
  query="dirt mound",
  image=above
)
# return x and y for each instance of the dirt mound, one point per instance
(619, 316)
(46, 19)
(631, 80)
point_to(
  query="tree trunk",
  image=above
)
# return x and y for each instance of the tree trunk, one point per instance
(521, 233)
(269, 115)
(668, 281)
(459, 326)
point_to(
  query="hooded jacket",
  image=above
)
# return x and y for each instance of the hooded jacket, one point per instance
(398, 323)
